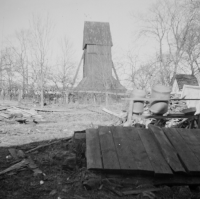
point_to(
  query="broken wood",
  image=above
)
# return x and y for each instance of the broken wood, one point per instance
(45, 145)
(13, 153)
(33, 167)
(138, 191)
(189, 111)
(114, 114)
(16, 166)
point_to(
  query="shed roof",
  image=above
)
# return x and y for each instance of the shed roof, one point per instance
(186, 79)
(97, 33)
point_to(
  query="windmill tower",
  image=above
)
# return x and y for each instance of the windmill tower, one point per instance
(97, 59)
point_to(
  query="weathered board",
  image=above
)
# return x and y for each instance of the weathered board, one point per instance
(93, 152)
(157, 160)
(141, 151)
(167, 149)
(109, 154)
(189, 160)
(191, 141)
(196, 132)
(130, 150)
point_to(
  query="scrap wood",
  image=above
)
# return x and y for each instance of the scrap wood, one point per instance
(48, 110)
(43, 122)
(118, 193)
(33, 167)
(16, 166)
(138, 191)
(45, 145)
(13, 153)
(175, 124)
(121, 116)
(78, 197)
(189, 111)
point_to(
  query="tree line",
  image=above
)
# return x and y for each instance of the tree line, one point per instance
(174, 26)
(26, 62)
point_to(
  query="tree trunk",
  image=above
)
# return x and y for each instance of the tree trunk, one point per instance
(42, 91)
(174, 74)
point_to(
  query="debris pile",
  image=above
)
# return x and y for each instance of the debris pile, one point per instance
(178, 115)
(12, 115)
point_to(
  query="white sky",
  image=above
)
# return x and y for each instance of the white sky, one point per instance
(69, 16)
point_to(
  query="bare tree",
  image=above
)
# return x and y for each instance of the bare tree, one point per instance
(21, 52)
(131, 67)
(41, 37)
(66, 64)
(7, 69)
(156, 26)
(192, 47)
(169, 22)
(180, 21)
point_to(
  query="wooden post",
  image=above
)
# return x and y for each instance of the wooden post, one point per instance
(66, 97)
(77, 70)
(130, 112)
(115, 72)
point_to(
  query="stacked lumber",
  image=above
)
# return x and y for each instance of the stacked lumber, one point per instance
(12, 115)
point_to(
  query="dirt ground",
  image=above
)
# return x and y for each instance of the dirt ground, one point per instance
(63, 164)
(73, 117)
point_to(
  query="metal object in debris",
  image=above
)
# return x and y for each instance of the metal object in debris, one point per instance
(163, 93)
(138, 106)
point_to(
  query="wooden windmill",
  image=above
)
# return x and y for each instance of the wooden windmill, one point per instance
(97, 59)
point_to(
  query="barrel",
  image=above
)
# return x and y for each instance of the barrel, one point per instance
(138, 106)
(163, 93)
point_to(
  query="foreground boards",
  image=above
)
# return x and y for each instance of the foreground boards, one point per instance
(152, 151)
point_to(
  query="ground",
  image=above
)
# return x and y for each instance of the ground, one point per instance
(61, 176)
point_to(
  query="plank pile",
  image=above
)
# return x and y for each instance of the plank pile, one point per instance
(12, 115)
(153, 151)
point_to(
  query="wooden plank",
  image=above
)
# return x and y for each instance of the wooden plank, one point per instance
(191, 140)
(196, 132)
(109, 154)
(130, 150)
(168, 116)
(13, 153)
(171, 180)
(93, 152)
(123, 148)
(167, 149)
(157, 160)
(189, 160)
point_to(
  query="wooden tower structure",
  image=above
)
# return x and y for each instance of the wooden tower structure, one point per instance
(97, 59)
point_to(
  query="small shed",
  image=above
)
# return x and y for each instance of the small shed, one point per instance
(97, 59)
(181, 80)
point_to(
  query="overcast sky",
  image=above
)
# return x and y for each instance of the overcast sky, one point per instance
(69, 16)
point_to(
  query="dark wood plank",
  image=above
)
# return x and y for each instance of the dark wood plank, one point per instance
(157, 160)
(109, 154)
(196, 132)
(93, 152)
(168, 151)
(189, 160)
(130, 150)
(13, 152)
(157, 180)
(169, 116)
(191, 140)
